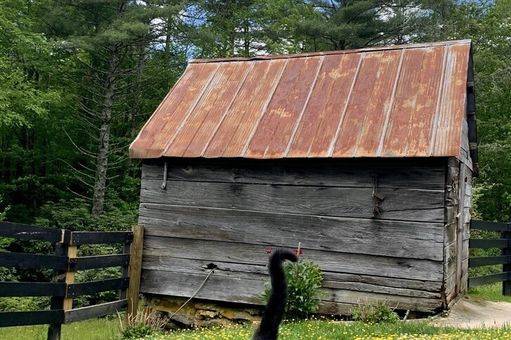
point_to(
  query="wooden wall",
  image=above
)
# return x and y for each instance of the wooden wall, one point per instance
(228, 212)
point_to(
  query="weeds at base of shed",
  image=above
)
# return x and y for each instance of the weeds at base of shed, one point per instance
(145, 322)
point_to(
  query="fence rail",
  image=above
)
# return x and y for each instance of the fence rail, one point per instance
(64, 263)
(503, 243)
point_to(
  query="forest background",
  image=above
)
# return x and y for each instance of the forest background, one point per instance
(78, 78)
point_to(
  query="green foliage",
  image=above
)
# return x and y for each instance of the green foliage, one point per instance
(137, 331)
(372, 313)
(304, 279)
(19, 304)
(54, 57)
(22, 66)
(74, 214)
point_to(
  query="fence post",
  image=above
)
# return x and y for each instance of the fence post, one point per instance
(72, 252)
(135, 269)
(506, 284)
(61, 249)
(126, 249)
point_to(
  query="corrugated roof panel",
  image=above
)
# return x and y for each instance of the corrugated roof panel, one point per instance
(411, 118)
(256, 103)
(164, 122)
(275, 128)
(447, 136)
(323, 111)
(242, 103)
(400, 101)
(226, 95)
(362, 124)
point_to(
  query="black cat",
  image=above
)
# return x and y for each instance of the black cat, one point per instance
(272, 317)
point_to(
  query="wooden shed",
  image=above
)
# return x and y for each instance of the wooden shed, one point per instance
(365, 156)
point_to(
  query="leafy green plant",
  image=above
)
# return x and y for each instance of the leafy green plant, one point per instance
(145, 323)
(304, 280)
(20, 304)
(371, 313)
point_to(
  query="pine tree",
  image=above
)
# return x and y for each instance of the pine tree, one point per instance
(226, 28)
(111, 39)
(317, 25)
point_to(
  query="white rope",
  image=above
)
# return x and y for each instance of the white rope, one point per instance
(194, 294)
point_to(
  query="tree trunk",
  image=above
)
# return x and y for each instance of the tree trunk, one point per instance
(98, 199)
(246, 45)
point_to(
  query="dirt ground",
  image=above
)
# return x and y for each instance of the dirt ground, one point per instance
(471, 312)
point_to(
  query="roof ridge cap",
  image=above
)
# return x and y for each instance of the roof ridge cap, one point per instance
(323, 53)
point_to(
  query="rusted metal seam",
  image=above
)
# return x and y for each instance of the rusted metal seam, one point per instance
(391, 105)
(248, 104)
(343, 114)
(172, 89)
(276, 126)
(235, 96)
(305, 104)
(191, 109)
(407, 145)
(439, 103)
(263, 111)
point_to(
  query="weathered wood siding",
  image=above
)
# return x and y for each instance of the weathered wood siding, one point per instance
(457, 230)
(465, 206)
(229, 212)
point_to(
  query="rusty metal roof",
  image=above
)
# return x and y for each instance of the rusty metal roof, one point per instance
(398, 101)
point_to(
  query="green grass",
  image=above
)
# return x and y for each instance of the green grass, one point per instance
(107, 329)
(489, 292)
(335, 330)
(96, 329)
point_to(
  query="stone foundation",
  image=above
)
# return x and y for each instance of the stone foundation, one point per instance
(198, 313)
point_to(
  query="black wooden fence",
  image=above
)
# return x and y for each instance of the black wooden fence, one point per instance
(64, 262)
(503, 243)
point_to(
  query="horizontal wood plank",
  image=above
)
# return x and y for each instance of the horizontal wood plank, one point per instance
(32, 261)
(398, 204)
(429, 175)
(490, 226)
(32, 289)
(488, 260)
(395, 301)
(329, 261)
(347, 235)
(492, 278)
(486, 244)
(42, 317)
(100, 261)
(95, 311)
(412, 288)
(247, 289)
(100, 237)
(29, 232)
(165, 263)
(88, 288)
